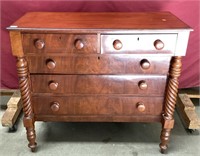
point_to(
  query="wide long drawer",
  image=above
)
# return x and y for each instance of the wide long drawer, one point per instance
(97, 105)
(99, 64)
(99, 84)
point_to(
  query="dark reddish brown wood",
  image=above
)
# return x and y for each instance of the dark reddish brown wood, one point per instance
(107, 84)
(117, 44)
(141, 106)
(79, 44)
(51, 64)
(100, 20)
(98, 118)
(170, 101)
(16, 43)
(141, 43)
(24, 84)
(98, 64)
(98, 67)
(55, 106)
(97, 105)
(59, 43)
(142, 85)
(39, 44)
(53, 85)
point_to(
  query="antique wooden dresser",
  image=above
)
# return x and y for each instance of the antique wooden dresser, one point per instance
(99, 67)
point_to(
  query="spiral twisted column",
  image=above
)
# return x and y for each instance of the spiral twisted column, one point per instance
(24, 84)
(170, 101)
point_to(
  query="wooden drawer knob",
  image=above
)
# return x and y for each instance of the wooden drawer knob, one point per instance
(51, 64)
(158, 44)
(53, 85)
(55, 106)
(117, 44)
(142, 85)
(140, 106)
(79, 44)
(39, 44)
(145, 64)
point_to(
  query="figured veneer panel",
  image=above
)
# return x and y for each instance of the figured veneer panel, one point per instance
(97, 105)
(99, 84)
(59, 43)
(99, 64)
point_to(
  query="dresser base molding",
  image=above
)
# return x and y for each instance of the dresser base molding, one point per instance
(90, 118)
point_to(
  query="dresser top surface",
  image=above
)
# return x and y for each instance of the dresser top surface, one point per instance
(99, 20)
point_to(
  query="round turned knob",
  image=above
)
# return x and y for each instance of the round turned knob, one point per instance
(117, 44)
(55, 106)
(51, 64)
(158, 44)
(53, 85)
(140, 107)
(79, 44)
(39, 44)
(142, 85)
(145, 64)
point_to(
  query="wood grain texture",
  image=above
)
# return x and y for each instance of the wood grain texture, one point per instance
(141, 43)
(97, 105)
(60, 43)
(98, 67)
(100, 20)
(170, 101)
(16, 43)
(99, 64)
(24, 84)
(97, 118)
(99, 84)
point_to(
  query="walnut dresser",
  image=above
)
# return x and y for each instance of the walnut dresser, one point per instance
(99, 67)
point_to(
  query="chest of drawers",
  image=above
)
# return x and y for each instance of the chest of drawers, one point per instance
(99, 67)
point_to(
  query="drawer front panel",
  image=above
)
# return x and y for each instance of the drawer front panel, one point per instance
(59, 43)
(141, 43)
(97, 105)
(99, 64)
(102, 84)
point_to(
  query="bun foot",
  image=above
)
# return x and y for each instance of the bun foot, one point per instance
(32, 147)
(163, 149)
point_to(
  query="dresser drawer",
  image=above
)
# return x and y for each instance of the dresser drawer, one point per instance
(99, 64)
(97, 105)
(59, 43)
(138, 43)
(99, 84)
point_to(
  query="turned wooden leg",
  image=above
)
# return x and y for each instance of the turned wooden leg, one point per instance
(165, 134)
(170, 101)
(24, 84)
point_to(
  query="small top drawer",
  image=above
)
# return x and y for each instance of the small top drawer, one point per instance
(60, 43)
(138, 43)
